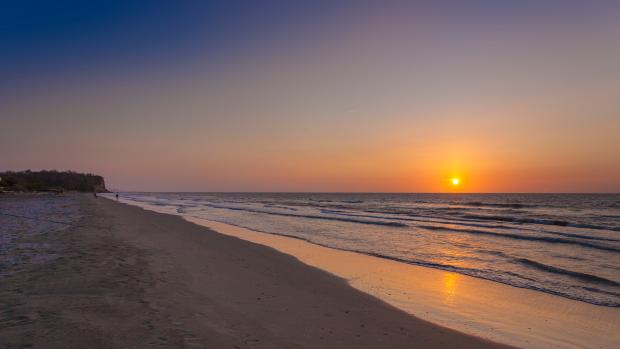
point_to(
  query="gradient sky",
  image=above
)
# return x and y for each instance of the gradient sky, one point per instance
(510, 96)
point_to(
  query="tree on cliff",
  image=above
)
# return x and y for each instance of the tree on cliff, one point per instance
(51, 181)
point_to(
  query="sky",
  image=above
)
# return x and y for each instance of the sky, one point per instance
(327, 96)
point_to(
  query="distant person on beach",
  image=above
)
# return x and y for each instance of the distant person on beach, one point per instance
(116, 196)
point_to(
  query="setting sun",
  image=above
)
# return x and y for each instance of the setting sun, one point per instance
(455, 181)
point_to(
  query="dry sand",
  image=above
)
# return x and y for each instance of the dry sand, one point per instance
(123, 277)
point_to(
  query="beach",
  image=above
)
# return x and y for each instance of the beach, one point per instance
(520, 316)
(108, 275)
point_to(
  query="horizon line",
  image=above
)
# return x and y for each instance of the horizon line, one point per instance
(362, 192)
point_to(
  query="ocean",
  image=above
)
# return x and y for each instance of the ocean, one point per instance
(563, 244)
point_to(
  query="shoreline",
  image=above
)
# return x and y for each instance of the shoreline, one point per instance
(488, 309)
(122, 276)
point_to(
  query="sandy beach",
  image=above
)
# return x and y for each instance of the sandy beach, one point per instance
(492, 310)
(108, 275)
(495, 311)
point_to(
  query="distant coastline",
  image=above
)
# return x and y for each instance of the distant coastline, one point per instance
(51, 181)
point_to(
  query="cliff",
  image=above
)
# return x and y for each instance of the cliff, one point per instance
(51, 181)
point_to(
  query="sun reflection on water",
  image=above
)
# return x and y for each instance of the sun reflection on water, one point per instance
(450, 283)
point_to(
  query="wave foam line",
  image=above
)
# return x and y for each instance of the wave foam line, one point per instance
(524, 237)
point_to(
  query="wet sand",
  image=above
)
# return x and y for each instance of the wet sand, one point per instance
(491, 310)
(119, 276)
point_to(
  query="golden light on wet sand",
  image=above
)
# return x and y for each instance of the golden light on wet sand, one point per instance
(450, 281)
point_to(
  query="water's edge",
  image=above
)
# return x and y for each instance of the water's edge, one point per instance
(510, 319)
(562, 245)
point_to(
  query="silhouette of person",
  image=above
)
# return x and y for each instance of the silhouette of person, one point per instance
(116, 196)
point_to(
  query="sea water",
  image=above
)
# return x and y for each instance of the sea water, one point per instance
(562, 244)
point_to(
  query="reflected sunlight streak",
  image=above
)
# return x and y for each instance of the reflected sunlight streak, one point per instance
(450, 282)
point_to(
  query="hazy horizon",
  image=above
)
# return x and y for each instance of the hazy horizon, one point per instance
(321, 96)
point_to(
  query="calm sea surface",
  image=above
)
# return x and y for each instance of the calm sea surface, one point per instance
(568, 245)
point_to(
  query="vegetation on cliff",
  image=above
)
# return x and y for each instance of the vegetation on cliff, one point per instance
(51, 181)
